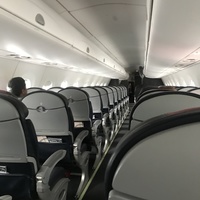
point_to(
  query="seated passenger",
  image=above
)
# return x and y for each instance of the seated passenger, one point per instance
(17, 87)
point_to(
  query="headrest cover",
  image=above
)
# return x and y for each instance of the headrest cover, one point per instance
(11, 108)
(47, 99)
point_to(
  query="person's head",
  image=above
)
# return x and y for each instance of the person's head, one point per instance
(17, 86)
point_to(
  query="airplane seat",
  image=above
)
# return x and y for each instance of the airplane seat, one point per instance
(126, 93)
(108, 121)
(33, 89)
(97, 109)
(55, 89)
(123, 103)
(6, 93)
(111, 104)
(21, 175)
(186, 89)
(159, 103)
(126, 100)
(157, 160)
(149, 92)
(95, 100)
(117, 108)
(121, 91)
(54, 124)
(120, 102)
(195, 91)
(81, 108)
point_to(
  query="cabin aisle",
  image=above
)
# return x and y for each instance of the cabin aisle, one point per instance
(96, 190)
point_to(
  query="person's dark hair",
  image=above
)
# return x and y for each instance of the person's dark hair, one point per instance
(17, 85)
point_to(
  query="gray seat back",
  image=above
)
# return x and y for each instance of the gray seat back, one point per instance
(18, 150)
(104, 97)
(119, 93)
(157, 160)
(12, 150)
(185, 89)
(115, 94)
(95, 99)
(110, 96)
(79, 103)
(33, 89)
(195, 91)
(55, 89)
(160, 103)
(47, 110)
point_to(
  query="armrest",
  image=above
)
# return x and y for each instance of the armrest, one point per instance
(78, 143)
(104, 119)
(6, 197)
(111, 114)
(95, 127)
(45, 171)
(115, 109)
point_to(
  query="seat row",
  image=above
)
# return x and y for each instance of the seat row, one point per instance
(22, 176)
(155, 102)
(80, 121)
(158, 157)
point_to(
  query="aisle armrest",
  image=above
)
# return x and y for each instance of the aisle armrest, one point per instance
(78, 144)
(104, 119)
(46, 169)
(95, 127)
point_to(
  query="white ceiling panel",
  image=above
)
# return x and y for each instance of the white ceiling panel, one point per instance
(174, 36)
(118, 27)
(84, 4)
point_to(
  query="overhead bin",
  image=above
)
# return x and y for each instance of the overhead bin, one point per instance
(52, 42)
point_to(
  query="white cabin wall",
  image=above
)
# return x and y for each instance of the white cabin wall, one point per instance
(64, 78)
(7, 70)
(40, 75)
(31, 72)
(11, 68)
(186, 77)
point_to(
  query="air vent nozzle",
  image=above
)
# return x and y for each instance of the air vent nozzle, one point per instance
(39, 19)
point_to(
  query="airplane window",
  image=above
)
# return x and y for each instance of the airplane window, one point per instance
(28, 83)
(192, 83)
(64, 84)
(47, 85)
(76, 84)
(8, 89)
(92, 84)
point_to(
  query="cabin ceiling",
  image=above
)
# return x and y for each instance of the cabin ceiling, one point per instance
(174, 40)
(164, 37)
(118, 27)
(161, 35)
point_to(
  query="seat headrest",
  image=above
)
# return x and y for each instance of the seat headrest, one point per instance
(46, 99)
(11, 108)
